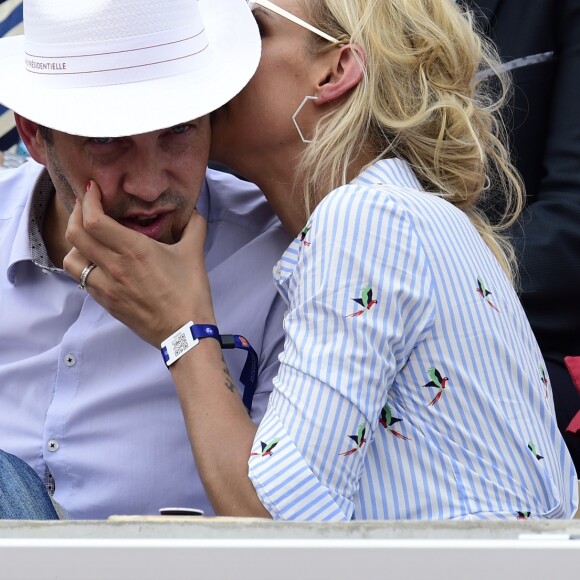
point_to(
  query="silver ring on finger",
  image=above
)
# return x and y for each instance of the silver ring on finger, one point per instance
(85, 274)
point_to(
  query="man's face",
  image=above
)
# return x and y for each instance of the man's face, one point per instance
(150, 182)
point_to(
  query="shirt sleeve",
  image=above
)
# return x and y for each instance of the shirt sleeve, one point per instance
(359, 299)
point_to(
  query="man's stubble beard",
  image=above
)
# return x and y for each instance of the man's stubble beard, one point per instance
(128, 203)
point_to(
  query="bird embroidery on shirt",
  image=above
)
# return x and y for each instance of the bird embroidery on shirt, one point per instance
(359, 439)
(366, 301)
(266, 448)
(303, 235)
(523, 515)
(532, 447)
(485, 293)
(436, 381)
(387, 421)
(544, 379)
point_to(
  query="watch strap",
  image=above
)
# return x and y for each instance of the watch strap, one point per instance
(249, 375)
(189, 335)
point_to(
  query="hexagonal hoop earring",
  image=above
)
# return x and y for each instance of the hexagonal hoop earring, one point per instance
(305, 100)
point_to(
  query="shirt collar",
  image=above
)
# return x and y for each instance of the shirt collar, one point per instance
(389, 172)
(41, 196)
(395, 172)
(28, 243)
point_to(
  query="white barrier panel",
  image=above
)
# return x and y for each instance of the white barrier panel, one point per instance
(535, 556)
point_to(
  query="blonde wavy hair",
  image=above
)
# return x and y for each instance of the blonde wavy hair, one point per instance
(421, 101)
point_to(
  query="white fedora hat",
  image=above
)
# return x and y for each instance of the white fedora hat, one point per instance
(112, 68)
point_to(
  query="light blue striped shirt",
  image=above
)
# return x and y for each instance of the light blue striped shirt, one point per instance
(411, 385)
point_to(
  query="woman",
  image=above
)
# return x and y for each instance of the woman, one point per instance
(411, 386)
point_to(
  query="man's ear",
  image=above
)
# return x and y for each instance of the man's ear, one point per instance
(347, 71)
(30, 135)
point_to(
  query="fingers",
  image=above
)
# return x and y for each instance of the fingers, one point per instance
(194, 233)
(80, 268)
(94, 226)
(83, 281)
(77, 235)
(86, 250)
(75, 262)
(147, 285)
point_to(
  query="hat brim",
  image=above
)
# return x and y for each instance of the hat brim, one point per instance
(144, 106)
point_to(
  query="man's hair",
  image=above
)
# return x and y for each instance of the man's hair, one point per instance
(46, 134)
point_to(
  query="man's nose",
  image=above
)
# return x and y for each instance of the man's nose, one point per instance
(146, 175)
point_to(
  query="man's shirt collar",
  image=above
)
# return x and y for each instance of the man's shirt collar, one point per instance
(28, 244)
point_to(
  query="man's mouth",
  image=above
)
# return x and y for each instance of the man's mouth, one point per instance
(152, 225)
(145, 221)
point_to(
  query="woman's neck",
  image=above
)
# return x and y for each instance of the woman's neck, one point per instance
(277, 182)
(283, 186)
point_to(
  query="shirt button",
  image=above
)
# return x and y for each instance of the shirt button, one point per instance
(70, 360)
(52, 445)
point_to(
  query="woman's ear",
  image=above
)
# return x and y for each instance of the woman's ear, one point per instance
(347, 71)
(31, 137)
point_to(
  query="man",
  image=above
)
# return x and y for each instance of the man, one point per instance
(540, 43)
(118, 92)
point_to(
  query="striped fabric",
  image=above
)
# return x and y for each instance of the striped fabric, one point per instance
(411, 385)
(10, 24)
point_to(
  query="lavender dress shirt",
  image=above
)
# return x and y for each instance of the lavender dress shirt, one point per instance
(86, 400)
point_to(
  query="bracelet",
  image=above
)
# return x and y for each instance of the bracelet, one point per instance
(184, 339)
(189, 335)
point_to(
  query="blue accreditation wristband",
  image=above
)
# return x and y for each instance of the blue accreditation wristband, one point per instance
(189, 335)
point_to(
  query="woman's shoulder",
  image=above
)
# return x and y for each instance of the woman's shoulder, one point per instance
(387, 187)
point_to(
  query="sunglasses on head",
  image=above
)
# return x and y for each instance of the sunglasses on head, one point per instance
(285, 14)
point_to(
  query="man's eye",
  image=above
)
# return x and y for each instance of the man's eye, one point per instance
(102, 140)
(178, 129)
